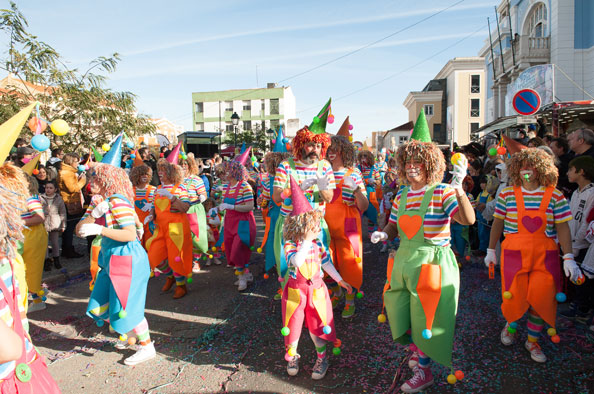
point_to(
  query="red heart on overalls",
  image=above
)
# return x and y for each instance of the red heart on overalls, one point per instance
(532, 224)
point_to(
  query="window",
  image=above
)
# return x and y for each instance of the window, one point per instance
(474, 127)
(199, 107)
(428, 109)
(247, 105)
(274, 107)
(475, 108)
(200, 126)
(537, 21)
(263, 105)
(274, 123)
(402, 139)
(247, 124)
(229, 106)
(228, 126)
(475, 84)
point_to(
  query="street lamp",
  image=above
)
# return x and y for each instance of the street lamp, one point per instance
(235, 121)
(271, 133)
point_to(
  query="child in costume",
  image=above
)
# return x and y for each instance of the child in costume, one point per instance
(214, 223)
(54, 211)
(144, 193)
(239, 226)
(421, 295)
(489, 185)
(343, 215)
(170, 246)
(305, 296)
(460, 233)
(531, 213)
(373, 183)
(119, 294)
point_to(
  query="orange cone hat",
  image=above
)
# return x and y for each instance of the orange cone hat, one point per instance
(345, 128)
(137, 160)
(513, 146)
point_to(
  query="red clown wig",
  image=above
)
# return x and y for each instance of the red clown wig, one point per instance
(304, 137)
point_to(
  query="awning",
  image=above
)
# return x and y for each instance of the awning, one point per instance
(503, 123)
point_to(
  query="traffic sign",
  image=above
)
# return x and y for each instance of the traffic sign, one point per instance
(526, 102)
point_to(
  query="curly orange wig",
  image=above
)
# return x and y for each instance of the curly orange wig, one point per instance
(113, 180)
(304, 137)
(427, 152)
(546, 172)
(173, 172)
(138, 172)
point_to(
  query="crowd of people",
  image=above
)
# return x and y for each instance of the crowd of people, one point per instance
(430, 210)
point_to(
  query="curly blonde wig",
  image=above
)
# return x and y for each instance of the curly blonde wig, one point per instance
(344, 148)
(367, 155)
(273, 159)
(113, 180)
(138, 172)
(13, 202)
(173, 172)
(192, 166)
(295, 227)
(546, 172)
(428, 153)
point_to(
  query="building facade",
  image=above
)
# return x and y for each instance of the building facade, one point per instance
(257, 108)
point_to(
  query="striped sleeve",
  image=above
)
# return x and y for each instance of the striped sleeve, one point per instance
(561, 211)
(501, 204)
(290, 250)
(122, 212)
(280, 178)
(182, 193)
(245, 194)
(449, 201)
(265, 185)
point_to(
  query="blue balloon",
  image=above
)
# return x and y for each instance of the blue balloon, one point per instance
(288, 201)
(285, 140)
(327, 330)
(40, 142)
(133, 156)
(81, 168)
(561, 297)
(427, 334)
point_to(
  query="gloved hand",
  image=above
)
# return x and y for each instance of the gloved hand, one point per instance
(349, 183)
(139, 232)
(309, 182)
(202, 197)
(378, 236)
(148, 219)
(100, 210)
(164, 193)
(323, 182)
(572, 271)
(89, 229)
(147, 207)
(490, 257)
(224, 206)
(459, 172)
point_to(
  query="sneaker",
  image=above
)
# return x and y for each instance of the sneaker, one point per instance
(217, 261)
(413, 361)
(179, 291)
(195, 268)
(348, 311)
(242, 283)
(320, 368)
(506, 337)
(36, 306)
(249, 277)
(208, 262)
(168, 284)
(121, 345)
(143, 354)
(293, 366)
(421, 379)
(535, 351)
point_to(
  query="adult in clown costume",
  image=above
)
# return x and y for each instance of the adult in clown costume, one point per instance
(119, 293)
(170, 246)
(421, 294)
(239, 225)
(373, 185)
(144, 194)
(532, 214)
(313, 174)
(343, 215)
(305, 296)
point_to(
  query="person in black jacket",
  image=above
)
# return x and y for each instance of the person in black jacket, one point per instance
(150, 161)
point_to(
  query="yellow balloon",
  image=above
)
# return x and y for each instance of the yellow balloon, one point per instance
(105, 147)
(60, 127)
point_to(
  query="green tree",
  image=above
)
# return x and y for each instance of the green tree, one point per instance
(257, 138)
(94, 113)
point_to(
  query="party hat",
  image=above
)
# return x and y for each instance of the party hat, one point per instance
(114, 155)
(318, 126)
(242, 158)
(173, 156)
(279, 145)
(345, 128)
(512, 145)
(98, 156)
(11, 129)
(137, 159)
(31, 164)
(298, 200)
(421, 130)
(242, 147)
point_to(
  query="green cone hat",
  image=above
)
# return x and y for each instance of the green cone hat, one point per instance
(318, 126)
(421, 130)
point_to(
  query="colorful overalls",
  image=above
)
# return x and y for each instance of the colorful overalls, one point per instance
(139, 204)
(172, 238)
(346, 242)
(239, 231)
(372, 195)
(530, 268)
(484, 228)
(270, 218)
(423, 289)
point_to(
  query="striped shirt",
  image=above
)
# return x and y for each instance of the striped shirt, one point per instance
(317, 254)
(244, 195)
(301, 173)
(195, 187)
(6, 315)
(370, 174)
(265, 185)
(442, 207)
(506, 209)
(181, 192)
(34, 207)
(348, 194)
(143, 196)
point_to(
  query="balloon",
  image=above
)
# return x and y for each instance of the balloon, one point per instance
(32, 124)
(60, 127)
(501, 150)
(331, 119)
(350, 127)
(492, 151)
(105, 147)
(40, 142)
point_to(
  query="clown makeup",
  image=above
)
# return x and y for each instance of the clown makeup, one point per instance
(332, 153)
(185, 168)
(95, 186)
(527, 174)
(144, 179)
(415, 170)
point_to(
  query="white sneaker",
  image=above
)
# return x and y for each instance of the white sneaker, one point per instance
(208, 263)
(249, 277)
(217, 261)
(36, 306)
(535, 351)
(507, 338)
(143, 354)
(242, 282)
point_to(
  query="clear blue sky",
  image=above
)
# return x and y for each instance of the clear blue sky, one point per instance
(172, 48)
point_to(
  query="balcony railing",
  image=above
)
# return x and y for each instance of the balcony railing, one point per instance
(529, 51)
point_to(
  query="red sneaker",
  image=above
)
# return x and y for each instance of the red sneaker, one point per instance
(420, 380)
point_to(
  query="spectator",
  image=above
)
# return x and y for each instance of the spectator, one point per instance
(581, 142)
(150, 161)
(23, 155)
(536, 142)
(54, 164)
(522, 138)
(548, 138)
(70, 185)
(41, 178)
(560, 148)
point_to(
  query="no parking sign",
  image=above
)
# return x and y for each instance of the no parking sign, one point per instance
(526, 102)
